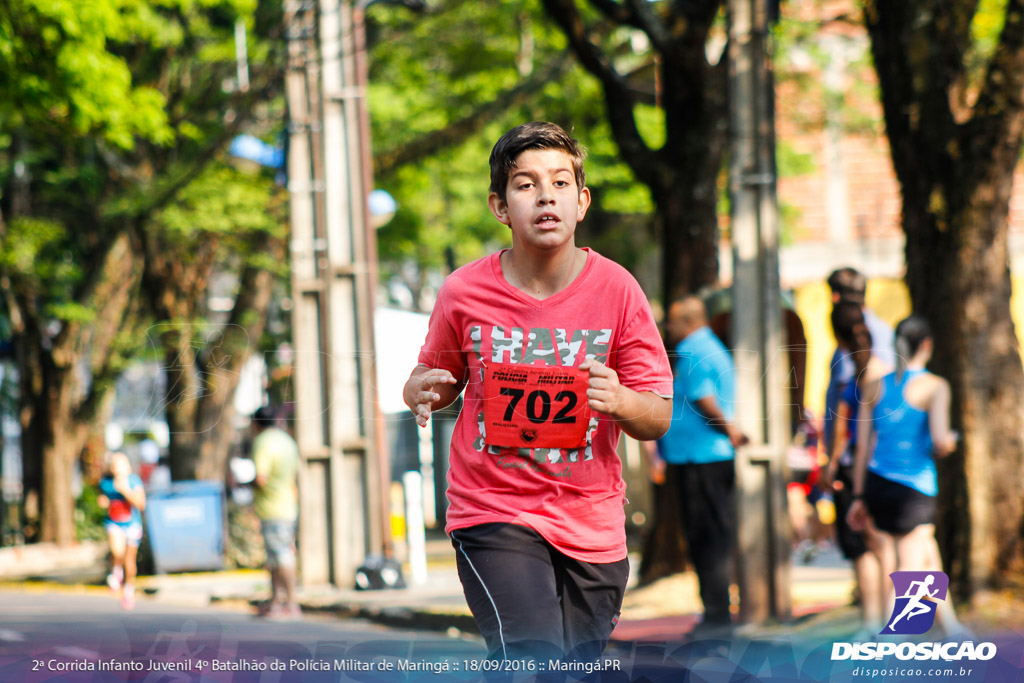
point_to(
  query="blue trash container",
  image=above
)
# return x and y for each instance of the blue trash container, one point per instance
(185, 523)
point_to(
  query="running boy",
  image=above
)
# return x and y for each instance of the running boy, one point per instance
(557, 351)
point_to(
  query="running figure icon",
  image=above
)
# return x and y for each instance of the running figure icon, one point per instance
(915, 605)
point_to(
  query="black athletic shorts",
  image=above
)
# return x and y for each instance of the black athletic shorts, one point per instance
(530, 601)
(895, 508)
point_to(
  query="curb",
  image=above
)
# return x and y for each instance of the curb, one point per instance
(401, 617)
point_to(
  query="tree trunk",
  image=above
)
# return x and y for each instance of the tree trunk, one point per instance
(980, 510)
(199, 403)
(66, 406)
(181, 403)
(33, 421)
(60, 453)
(991, 385)
(664, 551)
(956, 173)
(689, 249)
(685, 190)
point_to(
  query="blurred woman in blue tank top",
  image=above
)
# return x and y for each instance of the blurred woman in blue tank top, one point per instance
(902, 426)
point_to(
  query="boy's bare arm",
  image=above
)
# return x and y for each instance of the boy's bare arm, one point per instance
(429, 389)
(643, 415)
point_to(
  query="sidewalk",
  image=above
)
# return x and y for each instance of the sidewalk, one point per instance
(665, 610)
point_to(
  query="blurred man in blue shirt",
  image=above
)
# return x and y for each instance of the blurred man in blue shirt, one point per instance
(700, 446)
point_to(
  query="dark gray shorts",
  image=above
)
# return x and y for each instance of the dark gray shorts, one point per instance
(279, 540)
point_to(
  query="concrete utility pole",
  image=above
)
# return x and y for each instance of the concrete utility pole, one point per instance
(763, 411)
(333, 281)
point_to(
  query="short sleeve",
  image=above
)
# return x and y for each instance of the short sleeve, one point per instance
(443, 345)
(641, 362)
(701, 380)
(261, 456)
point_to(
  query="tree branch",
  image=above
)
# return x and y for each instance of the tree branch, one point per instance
(170, 190)
(106, 373)
(685, 12)
(248, 318)
(638, 14)
(150, 199)
(619, 98)
(421, 147)
(651, 24)
(107, 292)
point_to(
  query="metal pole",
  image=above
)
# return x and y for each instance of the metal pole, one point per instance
(763, 541)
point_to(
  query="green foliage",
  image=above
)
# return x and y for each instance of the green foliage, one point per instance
(107, 110)
(38, 256)
(651, 122)
(62, 76)
(89, 516)
(225, 204)
(26, 243)
(792, 162)
(430, 73)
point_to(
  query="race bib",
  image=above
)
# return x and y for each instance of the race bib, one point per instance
(535, 407)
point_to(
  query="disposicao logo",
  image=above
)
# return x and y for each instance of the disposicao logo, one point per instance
(914, 612)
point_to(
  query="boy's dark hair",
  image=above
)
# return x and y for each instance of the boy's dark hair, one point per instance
(846, 316)
(535, 135)
(849, 284)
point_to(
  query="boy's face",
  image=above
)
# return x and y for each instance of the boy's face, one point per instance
(542, 202)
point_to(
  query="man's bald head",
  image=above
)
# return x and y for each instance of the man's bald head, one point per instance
(685, 316)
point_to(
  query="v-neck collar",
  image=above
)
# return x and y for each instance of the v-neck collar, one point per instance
(552, 300)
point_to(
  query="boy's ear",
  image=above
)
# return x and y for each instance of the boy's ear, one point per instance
(499, 208)
(584, 204)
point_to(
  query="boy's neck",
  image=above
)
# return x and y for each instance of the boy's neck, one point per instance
(542, 275)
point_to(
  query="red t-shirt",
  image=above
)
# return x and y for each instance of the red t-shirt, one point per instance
(573, 497)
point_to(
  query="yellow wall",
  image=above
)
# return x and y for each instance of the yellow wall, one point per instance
(888, 298)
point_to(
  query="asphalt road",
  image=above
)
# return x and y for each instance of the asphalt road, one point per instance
(76, 638)
(69, 637)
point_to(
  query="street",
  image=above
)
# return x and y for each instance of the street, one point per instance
(70, 637)
(79, 636)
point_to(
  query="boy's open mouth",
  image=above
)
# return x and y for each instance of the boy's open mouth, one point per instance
(547, 220)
